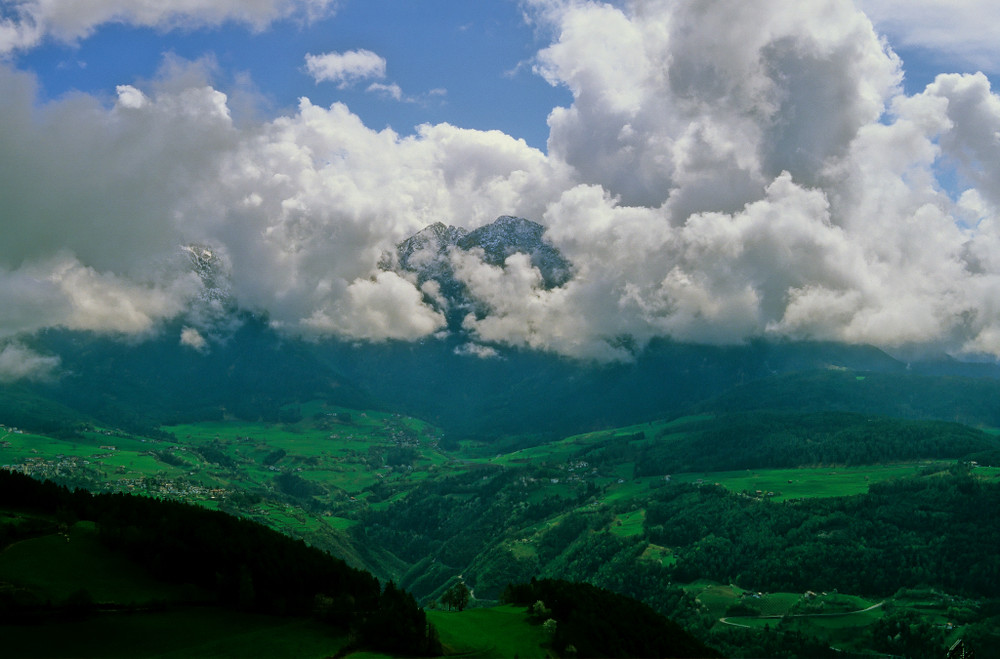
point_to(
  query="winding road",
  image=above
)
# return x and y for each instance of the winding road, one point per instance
(726, 620)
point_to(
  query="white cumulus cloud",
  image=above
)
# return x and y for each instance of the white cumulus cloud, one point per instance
(345, 68)
(726, 169)
(100, 202)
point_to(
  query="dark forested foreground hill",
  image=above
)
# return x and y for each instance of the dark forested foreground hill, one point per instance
(225, 561)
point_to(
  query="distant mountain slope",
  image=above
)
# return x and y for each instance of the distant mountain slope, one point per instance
(523, 391)
(139, 386)
(24, 407)
(256, 371)
(969, 400)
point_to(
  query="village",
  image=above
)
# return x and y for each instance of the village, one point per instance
(92, 472)
(74, 471)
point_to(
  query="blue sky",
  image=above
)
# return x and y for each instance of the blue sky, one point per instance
(456, 61)
(713, 170)
(465, 63)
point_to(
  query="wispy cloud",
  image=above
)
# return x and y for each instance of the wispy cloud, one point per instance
(965, 29)
(392, 90)
(345, 68)
(26, 23)
(18, 362)
(395, 92)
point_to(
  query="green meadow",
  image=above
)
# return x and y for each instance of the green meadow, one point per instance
(807, 482)
(838, 619)
(489, 633)
(566, 449)
(629, 524)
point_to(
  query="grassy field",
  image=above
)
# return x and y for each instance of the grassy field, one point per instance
(662, 555)
(807, 482)
(836, 618)
(566, 449)
(839, 620)
(629, 524)
(489, 633)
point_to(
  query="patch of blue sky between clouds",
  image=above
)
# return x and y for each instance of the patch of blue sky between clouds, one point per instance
(447, 61)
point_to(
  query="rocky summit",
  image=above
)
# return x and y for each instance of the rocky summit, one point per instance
(429, 254)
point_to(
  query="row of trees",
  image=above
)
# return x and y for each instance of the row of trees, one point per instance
(457, 597)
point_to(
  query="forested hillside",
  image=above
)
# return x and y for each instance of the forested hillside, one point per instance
(243, 565)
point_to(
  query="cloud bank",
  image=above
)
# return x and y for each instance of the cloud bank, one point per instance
(727, 169)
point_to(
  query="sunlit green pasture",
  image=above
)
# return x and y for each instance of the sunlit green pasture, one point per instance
(146, 465)
(838, 619)
(781, 484)
(288, 517)
(24, 446)
(339, 523)
(987, 472)
(351, 478)
(566, 449)
(489, 633)
(629, 488)
(335, 447)
(806, 482)
(716, 598)
(629, 524)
